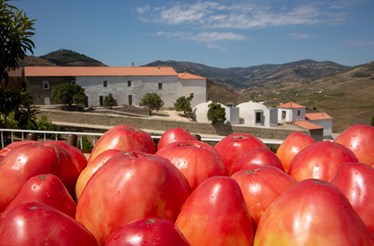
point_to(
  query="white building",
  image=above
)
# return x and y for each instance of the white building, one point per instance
(295, 113)
(257, 114)
(128, 85)
(200, 113)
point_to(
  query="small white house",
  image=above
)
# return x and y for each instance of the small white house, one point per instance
(321, 119)
(200, 113)
(291, 112)
(257, 114)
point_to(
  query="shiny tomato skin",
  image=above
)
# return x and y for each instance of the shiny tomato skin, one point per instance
(234, 146)
(34, 223)
(126, 138)
(359, 138)
(356, 181)
(215, 214)
(261, 186)
(47, 189)
(130, 186)
(147, 232)
(262, 156)
(292, 145)
(172, 135)
(91, 168)
(320, 160)
(312, 212)
(196, 161)
(22, 163)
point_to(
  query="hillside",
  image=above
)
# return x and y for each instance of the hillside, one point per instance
(243, 77)
(61, 57)
(347, 96)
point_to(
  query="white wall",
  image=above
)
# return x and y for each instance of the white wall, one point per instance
(140, 85)
(292, 114)
(197, 87)
(326, 124)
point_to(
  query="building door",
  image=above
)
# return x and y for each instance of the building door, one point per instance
(130, 100)
(101, 100)
(258, 117)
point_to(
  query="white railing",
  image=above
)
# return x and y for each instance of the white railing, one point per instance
(93, 135)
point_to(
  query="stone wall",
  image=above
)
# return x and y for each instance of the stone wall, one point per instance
(146, 123)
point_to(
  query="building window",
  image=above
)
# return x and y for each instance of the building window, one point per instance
(105, 83)
(283, 115)
(160, 86)
(45, 85)
(128, 83)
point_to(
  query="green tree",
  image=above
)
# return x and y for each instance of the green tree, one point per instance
(184, 104)
(16, 29)
(216, 113)
(152, 101)
(69, 94)
(109, 101)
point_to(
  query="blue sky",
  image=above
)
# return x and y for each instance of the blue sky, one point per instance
(219, 33)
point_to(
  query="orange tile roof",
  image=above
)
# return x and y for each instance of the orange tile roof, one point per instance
(317, 116)
(186, 75)
(78, 71)
(290, 105)
(307, 125)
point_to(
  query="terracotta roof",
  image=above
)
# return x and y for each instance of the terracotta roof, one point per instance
(290, 105)
(186, 75)
(307, 125)
(79, 71)
(317, 116)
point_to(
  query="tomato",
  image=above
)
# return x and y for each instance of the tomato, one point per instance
(147, 232)
(356, 181)
(291, 146)
(196, 161)
(215, 214)
(172, 135)
(47, 189)
(257, 157)
(126, 138)
(34, 223)
(261, 187)
(91, 168)
(320, 160)
(359, 138)
(130, 186)
(234, 146)
(24, 162)
(312, 212)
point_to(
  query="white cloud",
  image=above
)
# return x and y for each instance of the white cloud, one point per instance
(299, 35)
(244, 15)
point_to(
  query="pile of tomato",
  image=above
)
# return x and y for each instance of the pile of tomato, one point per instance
(183, 191)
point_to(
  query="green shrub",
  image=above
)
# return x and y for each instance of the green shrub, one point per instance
(216, 113)
(109, 101)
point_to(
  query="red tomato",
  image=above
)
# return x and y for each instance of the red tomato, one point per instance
(9, 147)
(356, 181)
(194, 160)
(359, 139)
(172, 135)
(147, 232)
(47, 189)
(126, 138)
(291, 146)
(24, 162)
(312, 212)
(130, 186)
(234, 146)
(34, 223)
(91, 168)
(261, 187)
(215, 214)
(257, 157)
(320, 160)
